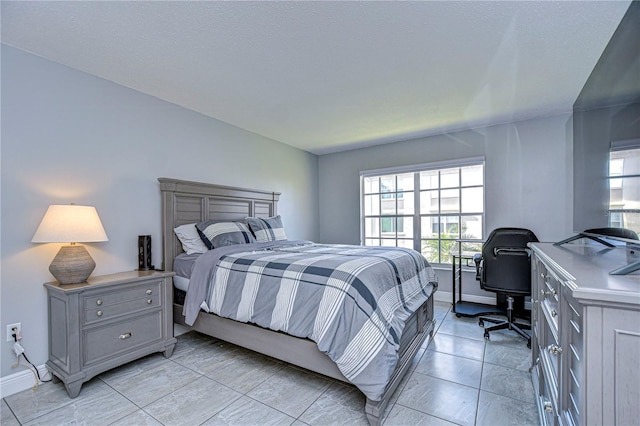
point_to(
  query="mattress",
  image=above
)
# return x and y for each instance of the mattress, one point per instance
(182, 266)
(181, 283)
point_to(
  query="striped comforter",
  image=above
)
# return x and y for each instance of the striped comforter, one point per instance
(351, 300)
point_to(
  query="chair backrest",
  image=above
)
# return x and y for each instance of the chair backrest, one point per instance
(507, 261)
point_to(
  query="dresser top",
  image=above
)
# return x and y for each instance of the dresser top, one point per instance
(111, 279)
(587, 267)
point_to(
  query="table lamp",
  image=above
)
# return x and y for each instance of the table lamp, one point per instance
(71, 224)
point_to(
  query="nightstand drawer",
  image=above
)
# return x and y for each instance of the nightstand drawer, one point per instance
(104, 342)
(103, 306)
(113, 311)
(123, 293)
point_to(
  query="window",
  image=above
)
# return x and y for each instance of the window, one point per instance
(624, 188)
(389, 206)
(435, 209)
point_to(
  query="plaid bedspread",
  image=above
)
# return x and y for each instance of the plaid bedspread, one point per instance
(351, 300)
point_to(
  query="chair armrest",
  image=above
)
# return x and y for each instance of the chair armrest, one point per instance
(477, 258)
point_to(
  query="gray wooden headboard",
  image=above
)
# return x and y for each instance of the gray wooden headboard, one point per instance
(193, 202)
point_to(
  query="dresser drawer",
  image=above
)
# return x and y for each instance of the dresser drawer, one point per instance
(121, 301)
(121, 337)
(547, 398)
(550, 288)
(550, 350)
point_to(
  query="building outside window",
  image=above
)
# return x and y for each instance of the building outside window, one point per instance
(436, 209)
(624, 188)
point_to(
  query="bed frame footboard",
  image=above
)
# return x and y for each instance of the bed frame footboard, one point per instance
(423, 320)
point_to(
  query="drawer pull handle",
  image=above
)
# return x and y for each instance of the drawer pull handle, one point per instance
(551, 292)
(555, 350)
(99, 313)
(99, 302)
(125, 336)
(542, 275)
(554, 313)
(149, 292)
(149, 301)
(548, 407)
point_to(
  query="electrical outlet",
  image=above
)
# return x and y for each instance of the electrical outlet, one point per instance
(10, 331)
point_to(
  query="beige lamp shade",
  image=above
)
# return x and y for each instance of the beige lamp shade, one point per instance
(71, 224)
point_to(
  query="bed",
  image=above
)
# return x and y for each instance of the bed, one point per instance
(186, 202)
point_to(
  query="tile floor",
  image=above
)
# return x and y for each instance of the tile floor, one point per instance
(458, 379)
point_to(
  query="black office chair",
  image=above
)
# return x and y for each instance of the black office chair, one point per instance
(504, 267)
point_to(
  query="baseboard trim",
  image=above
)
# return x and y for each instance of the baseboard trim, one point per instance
(22, 380)
(443, 296)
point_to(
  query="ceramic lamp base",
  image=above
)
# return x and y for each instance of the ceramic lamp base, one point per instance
(72, 265)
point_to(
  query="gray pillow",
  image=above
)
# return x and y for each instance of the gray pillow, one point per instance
(269, 229)
(216, 234)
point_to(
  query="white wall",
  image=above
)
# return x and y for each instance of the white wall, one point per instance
(527, 168)
(71, 137)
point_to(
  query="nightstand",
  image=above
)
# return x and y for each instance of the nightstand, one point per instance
(106, 322)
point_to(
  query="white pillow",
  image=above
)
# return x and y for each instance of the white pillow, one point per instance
(190, 239)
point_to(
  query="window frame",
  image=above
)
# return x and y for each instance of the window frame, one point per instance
(417, 215)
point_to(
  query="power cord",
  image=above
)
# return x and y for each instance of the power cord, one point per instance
(19, 351)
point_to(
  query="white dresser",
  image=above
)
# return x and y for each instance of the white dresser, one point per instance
(585, 335)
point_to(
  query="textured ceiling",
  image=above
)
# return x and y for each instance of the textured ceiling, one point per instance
(329, 76)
